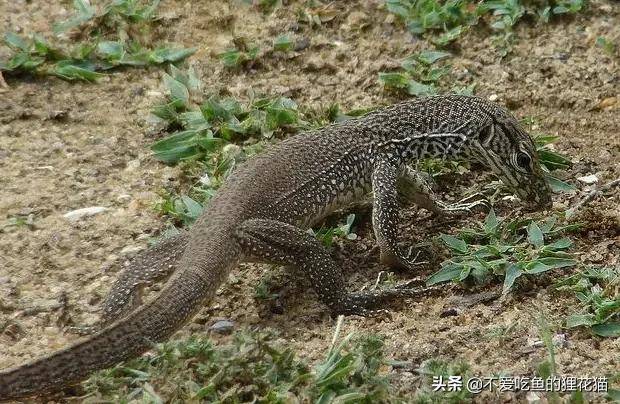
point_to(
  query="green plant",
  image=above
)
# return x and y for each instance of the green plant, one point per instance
(263, 289)
(598, 291)
(315, 14)
(547, 368)
(36, 56)
(567, 6)
(201, 129)
(351, 372)
(108, 44)
(500, 249)
(253, 368)
(109, 16)
(19, 221)
(449, 17)
(437, 167)
(608, 46)
(182, 208)
(319, 117)
(210, 135)
(507, 13)
(283, 43)
(446, 21)
(419, 76)
(502, 333)
(326, 234)
(234, 57)
(437, 373)
(550, 161)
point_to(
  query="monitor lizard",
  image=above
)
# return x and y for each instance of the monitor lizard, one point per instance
(263, 209)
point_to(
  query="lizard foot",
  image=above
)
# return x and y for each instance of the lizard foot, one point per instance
(365, 303)
(466, 205)
(408, 261)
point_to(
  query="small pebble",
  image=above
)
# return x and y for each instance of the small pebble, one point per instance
(222, 327)
(78, 214)
(588, 179)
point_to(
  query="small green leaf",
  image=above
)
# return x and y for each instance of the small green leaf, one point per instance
(466, 90)
(397, 8)
(446, 273)
(607, 330)
(283, 43)
(176, 147)
(178, 91)
(163, 55)
(449, 36)
(465, 271)
(512, 273)
(167, 112)
(553, 160)
(16, 41)
(544, 369)
(70, 70)
(194, 120)
(232, 57)
(536, 267)
(454, 243)
(111, 50)
(41, 47)
(559, 185)
(210, 144)
(578, 320)
(543, 140)
(561, 244)
(554, 262)
(608, 46)
(420, 90)
(560, 10)
(84, 13)
(535, 235)
(393, 80)
(194, 209)
(491, 223)
(430, 57)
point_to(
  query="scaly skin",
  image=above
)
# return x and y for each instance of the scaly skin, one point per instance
(261, 211)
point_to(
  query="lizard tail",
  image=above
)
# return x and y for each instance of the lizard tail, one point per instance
(124, 339)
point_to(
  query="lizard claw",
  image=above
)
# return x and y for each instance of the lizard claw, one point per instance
(404, 261)
(83, 330)
(377, 313)
(467, 205)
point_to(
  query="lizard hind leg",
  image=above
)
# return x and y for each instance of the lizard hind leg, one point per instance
(152, 265)
(284, 244)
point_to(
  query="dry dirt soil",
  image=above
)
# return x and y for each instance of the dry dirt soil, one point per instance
(65, 146)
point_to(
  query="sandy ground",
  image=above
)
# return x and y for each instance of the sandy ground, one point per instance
(65, 146)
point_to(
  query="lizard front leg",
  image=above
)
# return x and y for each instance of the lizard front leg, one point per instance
(284, 244)
(385, 216)
(412, 187)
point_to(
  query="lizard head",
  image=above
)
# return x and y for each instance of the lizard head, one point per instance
(508, 150)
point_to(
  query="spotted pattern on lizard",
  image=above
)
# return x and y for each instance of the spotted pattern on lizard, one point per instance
(262, 210)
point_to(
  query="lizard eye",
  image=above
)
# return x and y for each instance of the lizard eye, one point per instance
(523, 161)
